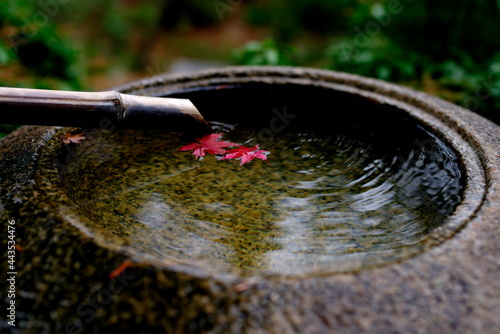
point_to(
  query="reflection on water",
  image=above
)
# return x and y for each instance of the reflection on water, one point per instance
(333, 201)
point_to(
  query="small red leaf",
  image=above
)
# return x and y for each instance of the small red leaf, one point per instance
(246, 154)
(68, 138)
(121, 268)
(209, 144)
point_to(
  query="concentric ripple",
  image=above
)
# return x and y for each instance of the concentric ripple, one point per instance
(335, 201)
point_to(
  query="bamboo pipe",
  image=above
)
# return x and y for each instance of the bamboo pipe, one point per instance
(99, 110)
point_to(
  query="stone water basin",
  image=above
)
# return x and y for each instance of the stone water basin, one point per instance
(373, 207)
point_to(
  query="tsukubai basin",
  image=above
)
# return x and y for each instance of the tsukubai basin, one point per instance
(377, 211)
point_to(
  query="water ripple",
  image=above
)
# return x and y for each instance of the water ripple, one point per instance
(332, 200)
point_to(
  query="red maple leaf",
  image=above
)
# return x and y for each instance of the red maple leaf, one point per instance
(246, 154)
(68, 138)
(208, 144)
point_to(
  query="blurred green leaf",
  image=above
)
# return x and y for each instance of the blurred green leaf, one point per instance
(266, 52)
(6, 54)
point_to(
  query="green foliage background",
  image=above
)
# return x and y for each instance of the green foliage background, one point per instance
(447, 48)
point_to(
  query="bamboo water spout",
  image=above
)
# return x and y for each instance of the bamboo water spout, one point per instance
(99, 110)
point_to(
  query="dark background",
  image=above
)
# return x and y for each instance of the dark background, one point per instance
(449, 49)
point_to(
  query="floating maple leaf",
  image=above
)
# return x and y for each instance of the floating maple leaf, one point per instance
(246, 154)
(208, 144)
(68, 138)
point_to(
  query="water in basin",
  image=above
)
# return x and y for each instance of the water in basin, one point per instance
(332, 201)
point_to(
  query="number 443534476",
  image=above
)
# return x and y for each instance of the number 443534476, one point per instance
(11, 244)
